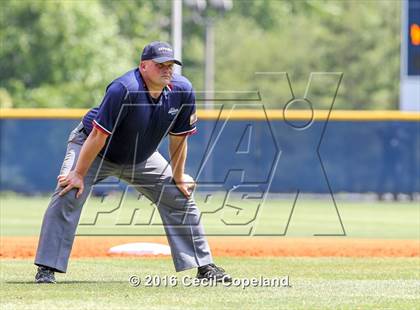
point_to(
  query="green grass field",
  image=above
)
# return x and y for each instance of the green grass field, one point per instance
(327, 283)
(315, 283)
(22, 216)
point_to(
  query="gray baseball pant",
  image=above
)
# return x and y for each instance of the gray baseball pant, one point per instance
(189, 247)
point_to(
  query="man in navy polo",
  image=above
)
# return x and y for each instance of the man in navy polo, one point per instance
(120, 138)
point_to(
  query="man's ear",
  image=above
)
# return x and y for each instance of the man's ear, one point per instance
(142, 65)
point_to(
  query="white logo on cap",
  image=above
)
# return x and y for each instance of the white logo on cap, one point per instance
(165, 49)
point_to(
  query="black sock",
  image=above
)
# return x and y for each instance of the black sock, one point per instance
(46, 267)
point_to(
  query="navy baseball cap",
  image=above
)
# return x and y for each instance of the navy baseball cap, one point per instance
(159, 52)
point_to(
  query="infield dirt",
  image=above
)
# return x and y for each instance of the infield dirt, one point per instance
(25, 247)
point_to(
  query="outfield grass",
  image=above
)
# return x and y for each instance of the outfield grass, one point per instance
(321, 283)
(22, 216)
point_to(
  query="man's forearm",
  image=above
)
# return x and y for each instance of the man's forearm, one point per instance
(178, 152)
(90, 149)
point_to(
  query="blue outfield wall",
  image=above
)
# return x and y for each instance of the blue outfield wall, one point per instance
(357, 156)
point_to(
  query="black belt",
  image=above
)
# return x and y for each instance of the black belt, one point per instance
(83, 130)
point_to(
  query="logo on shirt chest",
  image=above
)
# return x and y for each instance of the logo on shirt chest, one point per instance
(173, 111)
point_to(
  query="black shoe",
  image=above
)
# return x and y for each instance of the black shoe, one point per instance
(212, 272)
(44, 275)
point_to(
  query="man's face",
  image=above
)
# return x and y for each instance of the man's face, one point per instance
(158, 74)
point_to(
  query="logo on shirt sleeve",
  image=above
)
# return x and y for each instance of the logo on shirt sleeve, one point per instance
(193, 118)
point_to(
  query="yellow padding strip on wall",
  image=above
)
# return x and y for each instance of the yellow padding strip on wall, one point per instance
(304, 115)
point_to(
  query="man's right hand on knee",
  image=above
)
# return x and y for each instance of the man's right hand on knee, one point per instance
(70, 181)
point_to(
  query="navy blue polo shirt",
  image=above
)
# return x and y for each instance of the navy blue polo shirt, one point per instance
(135, 122)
